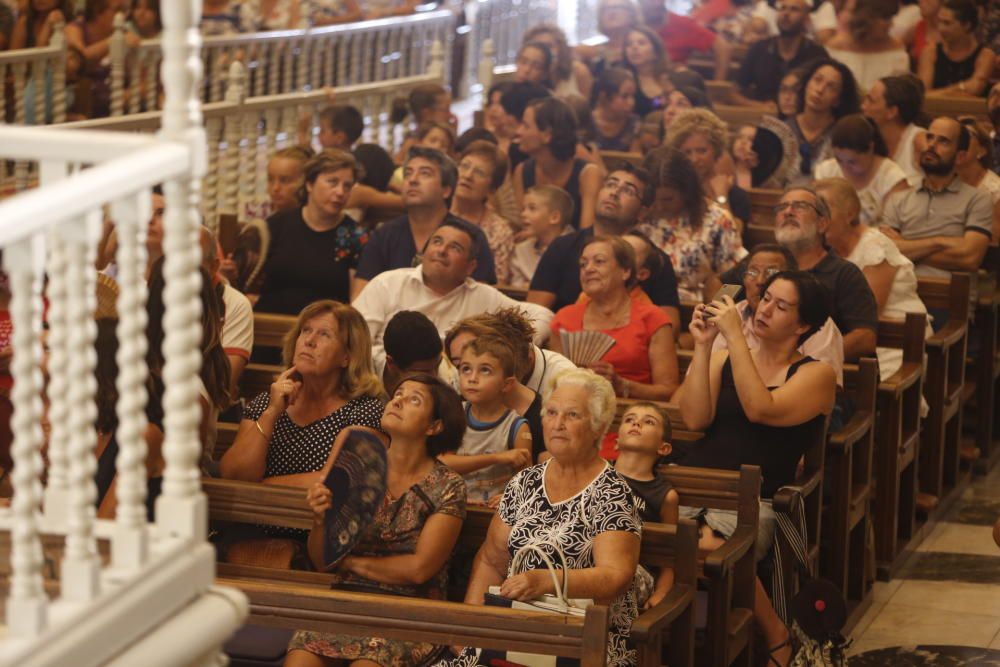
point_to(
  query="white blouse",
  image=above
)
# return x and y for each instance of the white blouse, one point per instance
(873, 195)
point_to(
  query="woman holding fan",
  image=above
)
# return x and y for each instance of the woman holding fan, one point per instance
(405, 549)
(642, 363)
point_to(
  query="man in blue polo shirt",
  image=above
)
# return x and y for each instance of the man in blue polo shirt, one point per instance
(429, 178)
(626, 192)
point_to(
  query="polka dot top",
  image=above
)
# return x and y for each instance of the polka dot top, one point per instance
(297, 449)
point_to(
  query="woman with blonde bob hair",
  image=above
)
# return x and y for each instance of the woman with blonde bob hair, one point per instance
(574, 504)
(288, 434)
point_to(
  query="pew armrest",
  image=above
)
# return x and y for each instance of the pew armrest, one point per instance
(902, 379)
(721, 562)
(948, 336)
(653, 621)
(853, 431)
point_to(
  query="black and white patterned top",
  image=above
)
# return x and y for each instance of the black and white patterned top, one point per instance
(606, 504)
(297, 449)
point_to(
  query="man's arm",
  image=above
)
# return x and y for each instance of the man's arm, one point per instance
(961, 253)
(859, 343)
(915, 249)
(723, 52)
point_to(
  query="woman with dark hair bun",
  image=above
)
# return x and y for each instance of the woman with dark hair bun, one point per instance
(958, 64)
(548, 136)
(860, 156)
(893, 104)
(828, 93)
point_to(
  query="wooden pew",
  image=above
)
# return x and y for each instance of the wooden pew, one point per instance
(985, 369)
(269, 329)
(245, 502)
(613, 158)
(762, 203)
(939, 105)
(939, 469)
(729, 571)
(897, 442)
(849, 488)
(300, 606)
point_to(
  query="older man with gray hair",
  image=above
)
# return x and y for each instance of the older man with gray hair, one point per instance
(800, 220)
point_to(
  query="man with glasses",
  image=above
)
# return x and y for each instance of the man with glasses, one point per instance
(769, 60)
(944, 225)
(801, 219)
(626, 193)
(429, 179)
(764, 261)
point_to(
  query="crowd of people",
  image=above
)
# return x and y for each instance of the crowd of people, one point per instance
(399, 270)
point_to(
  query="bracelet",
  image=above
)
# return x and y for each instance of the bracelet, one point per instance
(260, 430)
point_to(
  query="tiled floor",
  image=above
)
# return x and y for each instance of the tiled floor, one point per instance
(944, 608)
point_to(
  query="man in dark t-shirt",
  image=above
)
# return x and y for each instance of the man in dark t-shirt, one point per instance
(429, 178)
(623, 196)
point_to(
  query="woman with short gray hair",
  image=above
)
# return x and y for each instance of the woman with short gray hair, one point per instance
(573, 506)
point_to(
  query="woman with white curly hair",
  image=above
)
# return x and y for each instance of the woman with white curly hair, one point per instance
(574, 504)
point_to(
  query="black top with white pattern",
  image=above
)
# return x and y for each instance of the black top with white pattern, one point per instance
(297, 449)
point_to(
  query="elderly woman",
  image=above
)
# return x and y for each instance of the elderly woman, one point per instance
(643, 362)
(315, 247)
(761, 407)
(888, 272)
(700, 237)
(482, 169)
(405, 550)
(702, 138)
(574, 504)
(548, 136)
(328, 384)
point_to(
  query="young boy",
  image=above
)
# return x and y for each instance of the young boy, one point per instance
(497, 440)
(340, 126)
(643, 438)
(546, 212)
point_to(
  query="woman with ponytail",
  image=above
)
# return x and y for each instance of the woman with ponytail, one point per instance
(861, 157)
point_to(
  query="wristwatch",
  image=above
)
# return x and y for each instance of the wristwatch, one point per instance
(722, 200)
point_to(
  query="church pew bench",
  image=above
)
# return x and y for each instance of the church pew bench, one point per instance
(954, 106)
(897, 442)
(984, 367)
(849, 488)
(270, 329)
(729, 572)
(939, 471)
(297, 606)
(674, 546)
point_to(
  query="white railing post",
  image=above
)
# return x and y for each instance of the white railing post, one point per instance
(486, 64)
(80, 574)
(58, 75)
(182, 509)
(436, 67)
(130, 546)
(27, 603)
(118, 54)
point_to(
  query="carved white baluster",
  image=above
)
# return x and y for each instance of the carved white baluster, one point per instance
(248, 163)
(181, 509)
(130, 545)
(303, 62)
(118, 66)
(358, 59)
(213, 130)
(379, 57)
(317, 68)
(38, 70)
(152, 74)
(27, 602)
(3, 99)
(21, 167)
(272, 120)
(274, 60)
(81, 565)
(219, 57)
(133, 100)
(436, 67)
(343, 48)
(287, 66)
(485, 73)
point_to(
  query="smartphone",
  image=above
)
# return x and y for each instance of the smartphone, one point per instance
(732, 291)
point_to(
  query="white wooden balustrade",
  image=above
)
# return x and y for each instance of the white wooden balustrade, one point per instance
(242, 131)
(37, 82)
(154, 603)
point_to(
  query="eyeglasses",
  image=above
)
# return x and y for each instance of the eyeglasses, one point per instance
(795, 206)
(625, 188)
(754, 274)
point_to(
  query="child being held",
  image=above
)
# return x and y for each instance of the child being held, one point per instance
(643, 438)
(497, 440)
(545, 212)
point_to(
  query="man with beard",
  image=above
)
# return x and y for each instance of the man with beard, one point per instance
(626, 193)
(944, 225)
(801, 218)
(769, 60)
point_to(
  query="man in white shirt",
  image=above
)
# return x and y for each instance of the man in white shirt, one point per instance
(441, 288)
(822, 20)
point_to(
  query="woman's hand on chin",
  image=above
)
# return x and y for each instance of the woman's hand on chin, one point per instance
(528, 585)
(285, 389)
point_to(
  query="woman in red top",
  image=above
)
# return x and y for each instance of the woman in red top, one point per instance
(643, 362)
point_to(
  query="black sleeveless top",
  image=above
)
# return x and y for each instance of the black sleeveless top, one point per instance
(733, 440)
(947, 72)
(572, 186)
(651, 493)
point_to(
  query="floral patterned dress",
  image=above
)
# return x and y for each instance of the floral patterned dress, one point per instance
(606, 504)
(395, 532)
(500, 238)
(695, 253)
